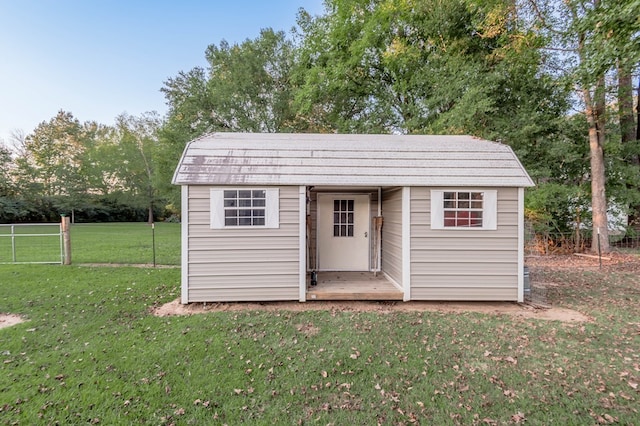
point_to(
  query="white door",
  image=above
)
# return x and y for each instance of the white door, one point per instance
(343, 232)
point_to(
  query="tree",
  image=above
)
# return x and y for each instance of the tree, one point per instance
(424, 67)
(246, 88)
(592, 37)
(6, 165)
(50, 163)
(129, 155)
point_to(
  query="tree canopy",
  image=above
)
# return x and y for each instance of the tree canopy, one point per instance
(552, 78)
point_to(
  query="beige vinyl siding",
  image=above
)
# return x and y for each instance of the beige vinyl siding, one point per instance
(392, 234)
(249, 264)
(464, 264)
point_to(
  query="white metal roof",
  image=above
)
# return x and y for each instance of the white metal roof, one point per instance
(348, 160)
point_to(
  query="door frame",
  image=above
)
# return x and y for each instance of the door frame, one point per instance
(317, 236)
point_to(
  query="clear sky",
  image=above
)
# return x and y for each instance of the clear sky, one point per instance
(100, 58)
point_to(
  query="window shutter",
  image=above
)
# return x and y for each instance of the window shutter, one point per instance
(217, 208)
(273, 208)
(437, 215)
(490, 215)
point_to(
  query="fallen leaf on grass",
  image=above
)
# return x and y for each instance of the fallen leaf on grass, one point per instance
(518, 418)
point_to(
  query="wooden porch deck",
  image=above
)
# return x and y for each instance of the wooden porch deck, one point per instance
(352, 286)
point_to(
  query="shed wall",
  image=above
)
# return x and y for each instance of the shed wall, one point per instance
(253, 264)
(392, 234)
(464, 264)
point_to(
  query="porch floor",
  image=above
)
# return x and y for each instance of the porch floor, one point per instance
(352, 286)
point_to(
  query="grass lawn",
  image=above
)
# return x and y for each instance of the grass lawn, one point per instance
(91, 353)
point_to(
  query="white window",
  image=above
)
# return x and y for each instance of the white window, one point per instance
(244, 208)
(463, 209)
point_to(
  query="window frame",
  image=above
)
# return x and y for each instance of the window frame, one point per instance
(271, 208)
(489, 209)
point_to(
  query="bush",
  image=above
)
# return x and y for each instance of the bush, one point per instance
(89, 209)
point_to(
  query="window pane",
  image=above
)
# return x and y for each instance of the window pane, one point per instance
(230, 194)
(463, 221)
(244, 194)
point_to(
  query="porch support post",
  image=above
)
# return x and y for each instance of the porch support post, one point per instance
(406, 242)
(379, 242)
(184, 251)
(302, 242)
(520, 245)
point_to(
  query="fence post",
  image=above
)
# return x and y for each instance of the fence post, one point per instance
(66, 240)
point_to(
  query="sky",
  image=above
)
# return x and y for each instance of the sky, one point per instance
(100, 58)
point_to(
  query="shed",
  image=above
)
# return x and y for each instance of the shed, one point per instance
(268, 217)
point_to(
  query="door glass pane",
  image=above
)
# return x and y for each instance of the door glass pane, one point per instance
(343, 218)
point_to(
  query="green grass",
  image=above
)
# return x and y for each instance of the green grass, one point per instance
(92, 353)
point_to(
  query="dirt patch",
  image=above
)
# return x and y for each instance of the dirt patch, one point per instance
(7, 320)
(492, 308)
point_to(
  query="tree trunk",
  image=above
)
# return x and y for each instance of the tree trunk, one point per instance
(638, 111)
(595, 108)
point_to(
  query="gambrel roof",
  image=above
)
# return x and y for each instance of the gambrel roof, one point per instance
(348, 160)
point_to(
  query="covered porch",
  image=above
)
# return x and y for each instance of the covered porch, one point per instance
(352, 286)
